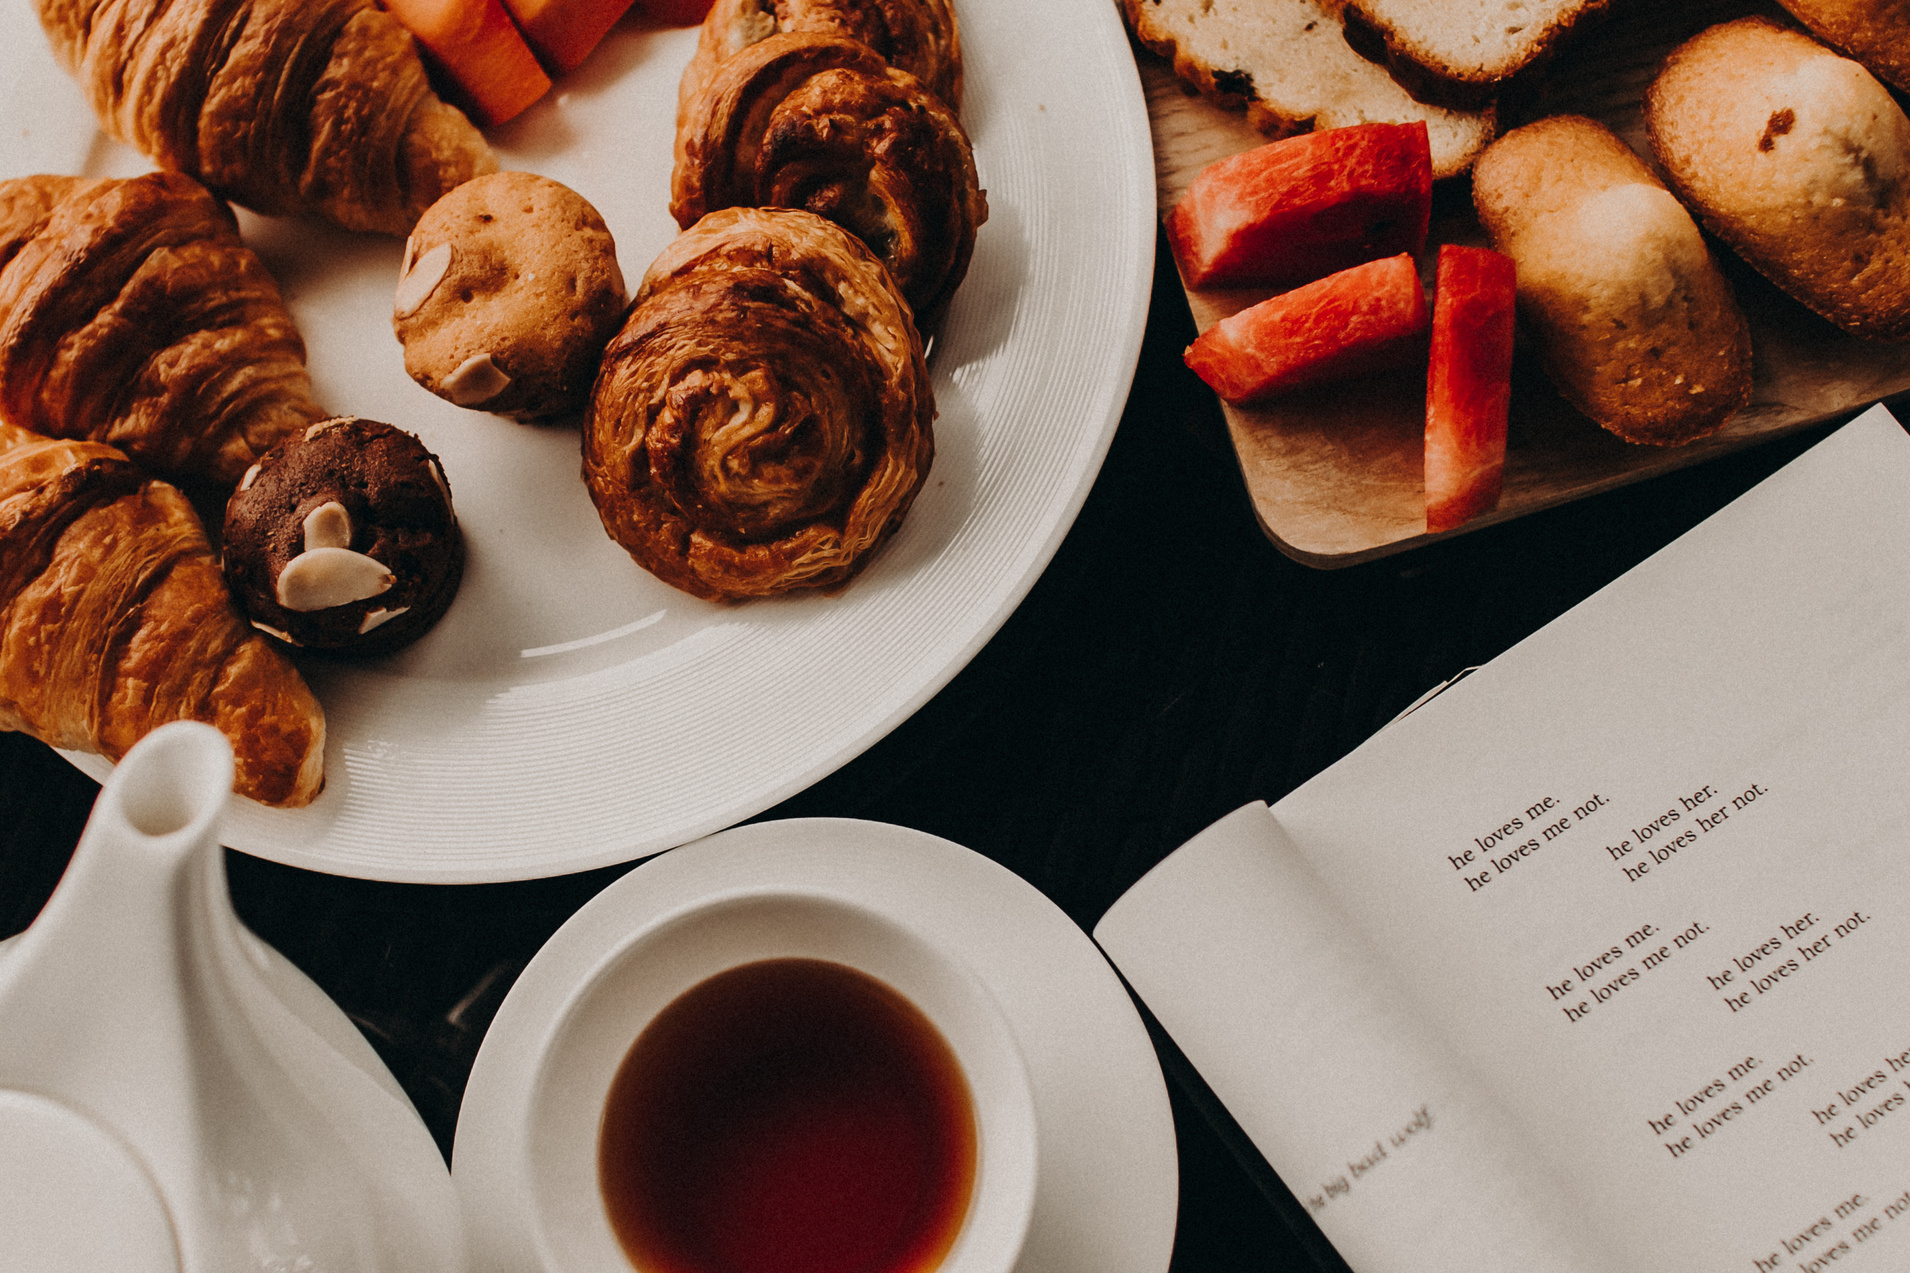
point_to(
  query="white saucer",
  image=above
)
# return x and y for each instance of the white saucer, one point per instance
(1108, 1184)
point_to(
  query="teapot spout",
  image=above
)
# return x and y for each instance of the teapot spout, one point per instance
(273, 1133)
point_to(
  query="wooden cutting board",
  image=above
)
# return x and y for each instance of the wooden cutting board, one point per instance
(1335, 473)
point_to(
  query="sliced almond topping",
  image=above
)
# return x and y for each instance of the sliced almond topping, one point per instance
(269, 630)
(437, 475)
(323, 425)
(378, 618)
(477, 380)
(415, 288)
(251, 476)
(325, 577)
(328, 526)
(411, 255)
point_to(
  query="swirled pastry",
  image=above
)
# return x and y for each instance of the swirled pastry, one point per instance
(114, 620)
(132, 314)
(822, 123)
(764, 419)
(919, 36)
(285, 106)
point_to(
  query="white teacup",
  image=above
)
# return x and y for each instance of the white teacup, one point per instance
(592, 1034)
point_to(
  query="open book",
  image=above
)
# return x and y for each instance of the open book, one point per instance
(1599, 960)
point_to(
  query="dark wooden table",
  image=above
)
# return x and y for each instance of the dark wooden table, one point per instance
(1168, 666)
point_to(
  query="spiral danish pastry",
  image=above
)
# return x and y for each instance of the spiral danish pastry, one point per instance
(919, 36)
(822, 123)
(764, 419)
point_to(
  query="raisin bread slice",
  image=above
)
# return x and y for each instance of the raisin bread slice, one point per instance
(1287, 63)
(1460, 52)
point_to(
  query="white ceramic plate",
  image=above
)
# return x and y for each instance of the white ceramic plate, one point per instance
(570, 711)
(1108, 1183)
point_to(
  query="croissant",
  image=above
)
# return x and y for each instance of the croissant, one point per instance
(131, 313)
(764, 419)
(285, 106)
(919, 36)
(822, 123)
(114, 619)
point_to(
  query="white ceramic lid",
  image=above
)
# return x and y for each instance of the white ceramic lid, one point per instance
(76, 1198)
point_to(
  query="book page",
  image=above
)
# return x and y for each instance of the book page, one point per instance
(1647, 875)
(1296, 1027)
(1632, 902)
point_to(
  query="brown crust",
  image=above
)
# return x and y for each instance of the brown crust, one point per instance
(1724, 121)
(317, 107)
(131, 313)
(917, 36)
(114, 620)
(1339, 86)
(1874, 32)
(822, 123)
(1459, 87)
(1656, 351)
(763, 421)
(1222, 91)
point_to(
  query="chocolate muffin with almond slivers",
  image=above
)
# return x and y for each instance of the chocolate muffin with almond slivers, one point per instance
(342, 539)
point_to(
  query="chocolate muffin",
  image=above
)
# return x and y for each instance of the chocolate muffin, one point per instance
(342, 539)
(508, 293)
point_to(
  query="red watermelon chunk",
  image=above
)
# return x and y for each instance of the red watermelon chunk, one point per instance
(1369, 318)
(1468, 384)
(1296, 210)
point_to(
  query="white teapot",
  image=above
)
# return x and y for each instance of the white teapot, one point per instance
(176, 1096)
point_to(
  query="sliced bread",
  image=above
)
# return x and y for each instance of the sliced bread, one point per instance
(1288, 65)
(1459, 52)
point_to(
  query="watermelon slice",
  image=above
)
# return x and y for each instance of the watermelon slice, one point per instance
(563, 32)
(1296, 210)
(1468, 384)
(479, 47)
(1368, 318)
(675, 13)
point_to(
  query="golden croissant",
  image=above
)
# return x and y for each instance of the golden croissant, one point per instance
(285, 106)
(764, 419)
(823, 123)
(918, 36)
(115, 619)
(131, 314)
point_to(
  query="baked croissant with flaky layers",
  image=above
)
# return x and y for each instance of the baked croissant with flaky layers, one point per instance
(132, 314)
(919, 36)
(764, 419)
(288, 107)
(822, 123)
(115, 619)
